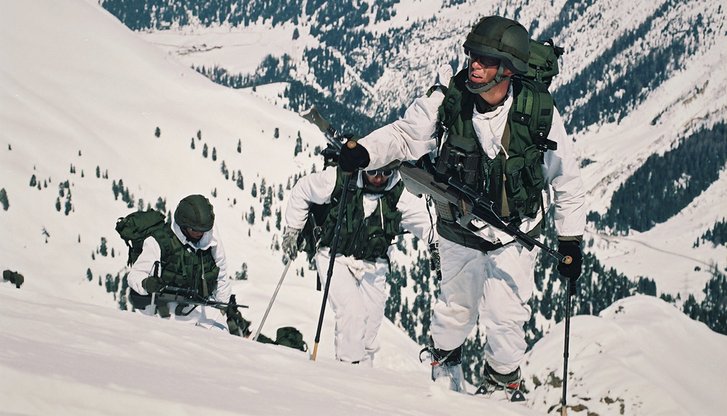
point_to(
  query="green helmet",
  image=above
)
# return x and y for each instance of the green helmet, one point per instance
(501, 38)
(195, 212)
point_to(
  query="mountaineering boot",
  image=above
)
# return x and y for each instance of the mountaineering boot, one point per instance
(446, 365)
(509, 384)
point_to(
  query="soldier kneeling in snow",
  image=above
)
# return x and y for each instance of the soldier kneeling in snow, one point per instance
(189, 257)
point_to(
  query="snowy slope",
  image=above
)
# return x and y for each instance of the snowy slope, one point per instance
(640, 357)
(78, 359)
(93, 96)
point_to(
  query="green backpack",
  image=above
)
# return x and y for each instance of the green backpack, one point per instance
(137, 227)
(286, 336)
(289, 336)
(532, 111)
(543, 62)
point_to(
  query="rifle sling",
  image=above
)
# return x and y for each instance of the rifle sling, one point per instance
(505, 211)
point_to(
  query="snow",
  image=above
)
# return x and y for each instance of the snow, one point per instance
(78, 88)
(64, 356)
(640, 352)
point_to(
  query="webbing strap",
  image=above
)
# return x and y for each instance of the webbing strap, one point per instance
(505, 210)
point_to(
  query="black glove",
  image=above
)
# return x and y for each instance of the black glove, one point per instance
(236, 324)
(571, 271)
(152, 284)
(353, 156)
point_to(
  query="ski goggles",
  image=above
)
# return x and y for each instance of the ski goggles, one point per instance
(380, 172)
(484, 60)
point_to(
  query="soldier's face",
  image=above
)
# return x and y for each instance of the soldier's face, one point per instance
(193, 235)
(377, 180)
(483, 69)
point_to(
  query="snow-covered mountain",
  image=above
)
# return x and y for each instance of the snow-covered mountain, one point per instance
(81, 101)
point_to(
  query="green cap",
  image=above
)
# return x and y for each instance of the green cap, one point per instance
(503, 39)
(195, 212)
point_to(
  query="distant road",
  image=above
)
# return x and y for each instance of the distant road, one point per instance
(673, 253)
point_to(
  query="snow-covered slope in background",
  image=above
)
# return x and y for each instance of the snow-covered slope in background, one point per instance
(80, 90)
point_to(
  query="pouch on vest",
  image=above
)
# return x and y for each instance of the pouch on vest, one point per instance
(516, 193)
(463, 154)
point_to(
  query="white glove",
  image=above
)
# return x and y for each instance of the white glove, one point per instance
(444, 74)
(290, 242)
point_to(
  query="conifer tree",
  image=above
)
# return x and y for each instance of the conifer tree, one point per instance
(103, 249)
(4, 199)
(298, 145)
(68, 205)
(267, 202)
(240, 181)
(251, 216)
(224, 170)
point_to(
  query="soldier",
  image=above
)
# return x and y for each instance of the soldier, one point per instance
(485, 146)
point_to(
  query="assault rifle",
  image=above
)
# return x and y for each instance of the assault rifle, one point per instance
(334, 138)
(192, 297)
(472, 205)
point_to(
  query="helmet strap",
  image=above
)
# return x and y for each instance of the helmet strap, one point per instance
(484, 87)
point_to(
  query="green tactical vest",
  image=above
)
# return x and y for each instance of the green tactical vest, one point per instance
(363, 238)
(183, 267)
(514, 183)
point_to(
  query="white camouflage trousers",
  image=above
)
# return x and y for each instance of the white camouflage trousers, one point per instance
(496, 286)
(357, 296)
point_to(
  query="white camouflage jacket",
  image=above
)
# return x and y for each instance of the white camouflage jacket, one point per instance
(317, 188)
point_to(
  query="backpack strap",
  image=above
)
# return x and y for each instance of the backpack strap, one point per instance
(532, 112)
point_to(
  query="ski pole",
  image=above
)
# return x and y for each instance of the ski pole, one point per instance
(270, 305)
(568, 293)
(332, 253)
